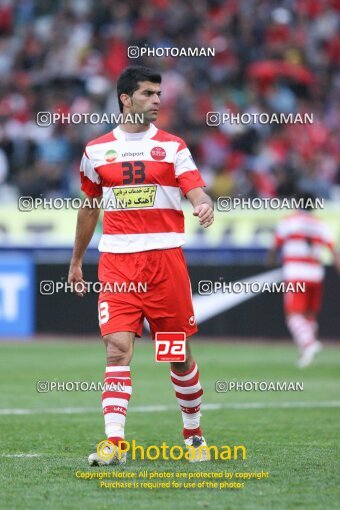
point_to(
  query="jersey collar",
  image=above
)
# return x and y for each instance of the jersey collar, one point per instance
(120, 135)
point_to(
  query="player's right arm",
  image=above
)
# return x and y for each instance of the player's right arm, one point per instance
(87, 219)
(330, 244)
(336, 262)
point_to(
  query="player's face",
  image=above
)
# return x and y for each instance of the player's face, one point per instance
(146, 100)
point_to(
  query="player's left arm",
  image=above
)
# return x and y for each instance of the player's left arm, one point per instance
(203, 206)
(274, 252)
(191, 184)
(272, 256)
(330, 244)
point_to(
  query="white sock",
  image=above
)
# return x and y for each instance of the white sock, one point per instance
(302, 330)
(115, 401)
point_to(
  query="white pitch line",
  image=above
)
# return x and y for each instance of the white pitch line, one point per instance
(165, 408)
(20, 455)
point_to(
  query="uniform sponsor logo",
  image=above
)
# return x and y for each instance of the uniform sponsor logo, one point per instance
(170, 346)
(128, 197)
(158, 153)
(132, 154)
(110, 155)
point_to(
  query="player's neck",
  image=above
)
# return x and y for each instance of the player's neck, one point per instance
(134, 128)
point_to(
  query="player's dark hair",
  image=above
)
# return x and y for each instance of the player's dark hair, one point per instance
(128, 81)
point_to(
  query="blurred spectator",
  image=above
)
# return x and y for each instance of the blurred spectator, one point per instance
(65, 57)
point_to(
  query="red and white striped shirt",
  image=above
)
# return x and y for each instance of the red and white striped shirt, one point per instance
(302, 238)
(141, 177)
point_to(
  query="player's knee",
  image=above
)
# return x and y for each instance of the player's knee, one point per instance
(186, 365)
(118, 351)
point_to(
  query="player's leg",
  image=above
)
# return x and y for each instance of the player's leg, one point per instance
(314, 305)
(301, 329)
(295, 308)
(297, 305)
(313, 321)
(117, 384)
(120, 319)
(188, 391)
(115, 396)
(169, 308)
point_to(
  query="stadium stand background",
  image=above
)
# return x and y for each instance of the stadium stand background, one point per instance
(65, 57)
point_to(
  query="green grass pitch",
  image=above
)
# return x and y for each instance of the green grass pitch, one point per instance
(293, 435)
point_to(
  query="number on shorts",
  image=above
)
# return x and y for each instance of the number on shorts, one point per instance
(103, 312)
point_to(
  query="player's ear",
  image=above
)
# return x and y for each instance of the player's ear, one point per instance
(126, 100)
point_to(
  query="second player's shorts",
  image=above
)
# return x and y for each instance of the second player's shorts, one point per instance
(304, 302)
(152, 284)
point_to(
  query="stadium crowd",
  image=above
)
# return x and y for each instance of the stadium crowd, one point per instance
(270, 56)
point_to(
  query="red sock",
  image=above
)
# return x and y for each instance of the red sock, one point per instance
(116, 440)
(192, 432)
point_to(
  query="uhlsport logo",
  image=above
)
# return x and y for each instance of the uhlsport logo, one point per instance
(192, 320)
(158, 153)
(110, 155)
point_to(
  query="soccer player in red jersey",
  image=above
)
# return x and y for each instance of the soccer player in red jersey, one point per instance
(302, 238)
(140, 172)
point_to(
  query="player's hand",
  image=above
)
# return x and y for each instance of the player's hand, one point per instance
(205, 214)
(75, 276)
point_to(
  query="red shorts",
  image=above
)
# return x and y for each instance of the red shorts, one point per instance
(304, 302)
(152, 284)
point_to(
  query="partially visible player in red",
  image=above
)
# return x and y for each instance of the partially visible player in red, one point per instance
(302, 237)
(141, 172)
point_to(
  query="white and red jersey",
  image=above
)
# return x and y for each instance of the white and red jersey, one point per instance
(302, 238)
(141, 177)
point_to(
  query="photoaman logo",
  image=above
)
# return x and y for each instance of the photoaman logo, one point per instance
(107, 451)
(110, 155)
